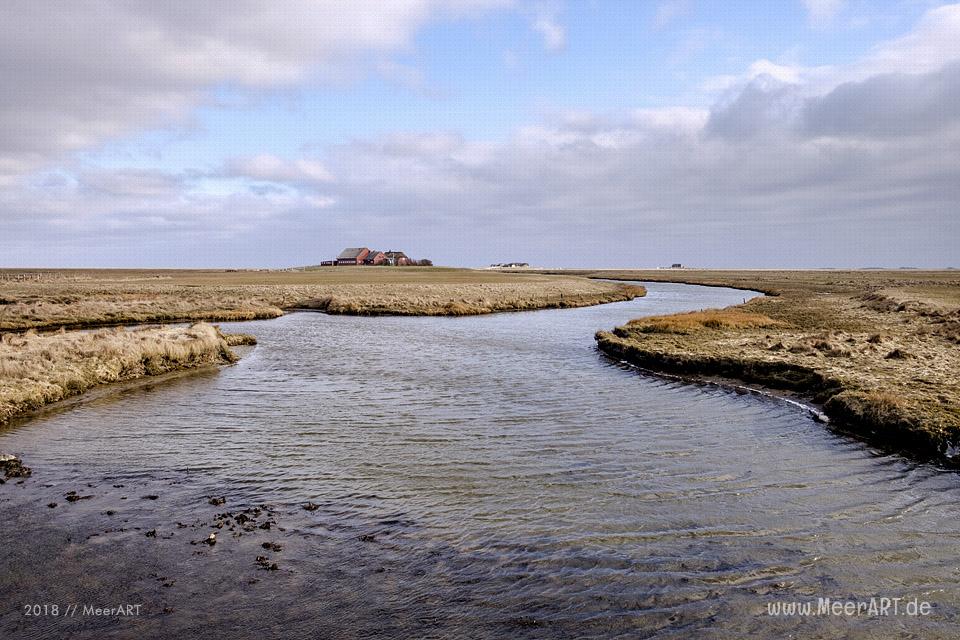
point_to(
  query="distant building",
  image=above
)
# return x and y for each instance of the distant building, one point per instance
(375, 257)
(365, 256)
(352, 256)
(397, 258)
(510, 265)
(676, 265)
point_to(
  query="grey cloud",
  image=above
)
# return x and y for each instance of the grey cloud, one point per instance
(763, 105)
(865, 174)
(131, 183)
(884, 105)
(75, 74)
(753, 182)
(585, 190)
(887, 105)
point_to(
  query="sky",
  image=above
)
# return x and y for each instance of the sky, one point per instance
(590, 133)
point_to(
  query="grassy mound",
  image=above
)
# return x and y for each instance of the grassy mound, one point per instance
(39, 369)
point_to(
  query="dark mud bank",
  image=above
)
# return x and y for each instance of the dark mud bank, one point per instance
(850, 411)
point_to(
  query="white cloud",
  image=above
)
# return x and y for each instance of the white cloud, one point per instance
(546, 22)
(684, 119)
(935, 41)
(789, 75)
(77, 74)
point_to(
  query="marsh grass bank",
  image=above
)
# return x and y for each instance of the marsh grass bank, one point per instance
(880, 351)
(89, 298)
(40, 369)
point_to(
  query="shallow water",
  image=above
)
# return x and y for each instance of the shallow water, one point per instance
(489, 476)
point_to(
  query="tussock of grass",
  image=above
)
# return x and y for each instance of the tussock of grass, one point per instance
(884, 406)
(685, 323)
(238, 339)
(36, 370)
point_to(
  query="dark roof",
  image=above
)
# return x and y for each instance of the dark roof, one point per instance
(373, 254)
(351, 254)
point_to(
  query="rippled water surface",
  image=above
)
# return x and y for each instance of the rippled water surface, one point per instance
(489, 476)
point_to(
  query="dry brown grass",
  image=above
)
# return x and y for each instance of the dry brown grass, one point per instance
(38, 369)
(240, 339)
(97, 298)
(884, 406)
(717, 319)
(878, 348)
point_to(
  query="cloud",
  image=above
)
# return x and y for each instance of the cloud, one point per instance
(641, 188)
(547, 24)
(792, 166)
(931, 44)
(270, 168)
(128, 183)
(76, 75)
(782, 73)
(822, 11)
(935, 41)
(762, 106)
(888, 105)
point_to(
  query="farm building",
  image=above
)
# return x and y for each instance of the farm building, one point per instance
(375, 257)
(397, 258)
(365, 256)
(352, 256)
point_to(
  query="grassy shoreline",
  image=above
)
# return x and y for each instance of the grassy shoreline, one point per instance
(878, 350)
(37, 370)
(40, 369)
(95, 298)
